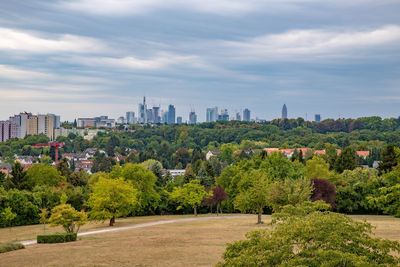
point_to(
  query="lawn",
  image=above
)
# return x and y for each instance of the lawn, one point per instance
(199, 243)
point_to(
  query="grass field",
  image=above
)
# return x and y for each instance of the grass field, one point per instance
(199, 243)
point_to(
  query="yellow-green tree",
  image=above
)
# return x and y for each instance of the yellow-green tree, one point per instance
(69, 218)
(112, 198)
(189, 195)
(253, 195)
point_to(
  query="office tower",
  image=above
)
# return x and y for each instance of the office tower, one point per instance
(179, 120)
(130, 117)
(246, 114)
(224, 116)
(317, 117)
(238, 116)
(192, 117)
(164, 117)
(149, 116)
(143, 112)
(171, 114)
(121, 120)
(284, 112)
(212, 114)
(156, 115)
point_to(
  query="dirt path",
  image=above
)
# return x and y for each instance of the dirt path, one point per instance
(144, 225)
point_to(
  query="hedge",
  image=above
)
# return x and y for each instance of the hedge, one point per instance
(56, 238)
(6, 247)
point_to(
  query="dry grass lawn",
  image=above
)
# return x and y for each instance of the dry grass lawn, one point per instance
(199, 243)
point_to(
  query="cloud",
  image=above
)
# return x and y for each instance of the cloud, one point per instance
(10, 72)
(219, 7)
(317, 43)
(33, 42)
(159, 61)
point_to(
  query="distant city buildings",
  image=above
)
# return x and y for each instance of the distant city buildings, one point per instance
(317, 118)
(224, 116)
(97, 122)
(212, 114)
(179, 120)
(171, 114)
(192, 117)
(23, 124)
(130, 117)
(246, 114)
(238, 117)
(284, 112)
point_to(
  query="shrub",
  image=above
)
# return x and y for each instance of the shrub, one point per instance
(6, 247)
(56, 238)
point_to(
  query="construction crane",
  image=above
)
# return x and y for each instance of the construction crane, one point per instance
(56, 146)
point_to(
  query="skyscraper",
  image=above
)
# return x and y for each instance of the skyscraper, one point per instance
(224, 116)
(317, 117)
(212, 114)
(130, 117)
(238, 117)
(156, 115)
(171, 114)
(179, 120)
(284, 112)
(143, 111)
(246, 114)
(192, 117)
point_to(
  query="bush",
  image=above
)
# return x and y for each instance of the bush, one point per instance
(10, 247)
(56, 238)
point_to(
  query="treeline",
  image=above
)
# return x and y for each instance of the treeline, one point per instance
(248, 183)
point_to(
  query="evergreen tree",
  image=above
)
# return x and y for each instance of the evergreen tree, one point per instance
(18, 176)
(346, 161)
(389, 160)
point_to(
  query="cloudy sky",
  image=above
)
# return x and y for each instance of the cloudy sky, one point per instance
(94, 57)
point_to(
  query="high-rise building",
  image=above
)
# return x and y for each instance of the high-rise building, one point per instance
(32, 125)
(5, 127)
(246, 114)
(50, 125)
(156, 115)
(164, 117)
(192, 117)
(171, 114)
(179, 120)
(224, 116)
(238, 116)
(317, 117)
(143, 112)
(284, 112)
(130, 117)
(212, 114)
(41, 124)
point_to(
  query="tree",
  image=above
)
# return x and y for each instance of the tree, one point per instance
(389, 160)
(218, 195)
(142, 179)
(346, 161)
(316, 239)
(44, 214)
(41, 174)
(288, 192)
(102, 163)
(323, 190)
(253, 195)
(189, 195)
(317, 167)
(8, 216)
(112, 198)
(69, 218)
(18, 176)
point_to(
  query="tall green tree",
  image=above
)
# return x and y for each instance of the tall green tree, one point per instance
(389, 160)
(346, 161)
(189, 195)
(112, 198)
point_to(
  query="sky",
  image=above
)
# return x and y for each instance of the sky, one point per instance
(82, 58)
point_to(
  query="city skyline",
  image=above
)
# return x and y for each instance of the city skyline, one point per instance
(85, 58)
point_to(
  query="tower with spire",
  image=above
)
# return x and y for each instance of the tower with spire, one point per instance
(284, 112)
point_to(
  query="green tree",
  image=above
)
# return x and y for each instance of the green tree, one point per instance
(69, 218)
(41, 174)
(316, 239)
(8, 216)
(317, 167)
(346, 161)
(18, 176)
(44, 214)
(112, 198)
(389, 160)
(189, 195)
(253, 195)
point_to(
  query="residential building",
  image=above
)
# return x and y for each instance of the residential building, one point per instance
(284, 112)
(32, 125)
(246, 114)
